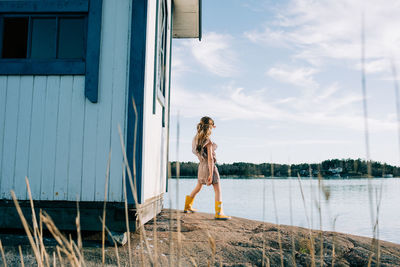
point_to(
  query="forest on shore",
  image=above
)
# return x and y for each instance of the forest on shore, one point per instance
(346, 168)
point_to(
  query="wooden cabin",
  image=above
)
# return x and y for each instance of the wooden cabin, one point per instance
(69, 70)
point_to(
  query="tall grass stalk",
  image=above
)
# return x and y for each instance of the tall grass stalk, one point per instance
(2, 254)
(178, 220)
(117, 254)
(22, 256)
(213, 246)
(103, 224)
(37, 232)
(378, 196)
(263, 218)
(27, 230)
(320, 189)
(43, 252)
(375, 242)
(113, 240)
(276, 215)
(132, 182)
(34, 221)
(194, 262)
(78, 228)
(66, 246)
(291, 217)
(171, 248)
(155, 241)
(333, 243)
(126, 215)
(311, 197)
(312, 252)
(397, 96)
(59, 256)
(142, 232)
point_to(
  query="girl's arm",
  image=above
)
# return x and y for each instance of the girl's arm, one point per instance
(210, 162)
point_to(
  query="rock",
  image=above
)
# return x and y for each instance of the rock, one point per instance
(204, 241)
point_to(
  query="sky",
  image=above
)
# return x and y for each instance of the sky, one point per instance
(282, 81)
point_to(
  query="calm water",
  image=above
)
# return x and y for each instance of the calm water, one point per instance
(349, 203)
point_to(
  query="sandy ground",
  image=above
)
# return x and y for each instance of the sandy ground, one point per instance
(199, 240)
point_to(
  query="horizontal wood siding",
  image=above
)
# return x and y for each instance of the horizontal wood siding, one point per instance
(60, 140)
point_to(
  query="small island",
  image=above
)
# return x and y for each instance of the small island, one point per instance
(332, 168)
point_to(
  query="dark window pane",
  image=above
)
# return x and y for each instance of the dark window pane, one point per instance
(43, 38)
(71, 40)
(15, 37)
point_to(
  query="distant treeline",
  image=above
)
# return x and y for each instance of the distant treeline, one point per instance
(351, 168)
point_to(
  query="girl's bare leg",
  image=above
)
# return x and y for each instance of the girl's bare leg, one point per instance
(217, 190)
(196, 190)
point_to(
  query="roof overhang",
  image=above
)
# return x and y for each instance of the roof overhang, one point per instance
(186, 19)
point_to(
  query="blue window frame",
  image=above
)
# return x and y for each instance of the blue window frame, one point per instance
(53, 37)
(160, 56)
(43, 37)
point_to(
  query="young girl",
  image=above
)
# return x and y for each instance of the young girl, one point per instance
(207, 173)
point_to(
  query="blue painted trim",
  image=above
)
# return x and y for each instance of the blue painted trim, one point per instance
(28, 66)
(137, 64)
(32, 67)
(44, 6)
(93, 50)
(29, 45)
(55, 37)
(161, 95)
(200, 19)
(49, 67)
(155, 60)
(169, 88)
(1, 35)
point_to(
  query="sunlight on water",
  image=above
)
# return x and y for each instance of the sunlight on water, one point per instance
(348, 201)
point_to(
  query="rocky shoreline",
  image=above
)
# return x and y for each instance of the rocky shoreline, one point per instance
(199, 240)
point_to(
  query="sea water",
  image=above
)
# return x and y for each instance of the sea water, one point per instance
(342, 205)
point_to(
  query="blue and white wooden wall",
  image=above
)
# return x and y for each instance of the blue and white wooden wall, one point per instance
(52, 133)
(58, 129)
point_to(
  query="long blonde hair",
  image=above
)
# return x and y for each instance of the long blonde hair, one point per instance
(203, 133)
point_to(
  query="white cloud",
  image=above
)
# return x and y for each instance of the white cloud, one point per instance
(375, 65)
(215, 53)
(230, 104)
(320, 30)
(331, 90)
(301, 77)
(237, 103)
(268, 36)
(292, 142)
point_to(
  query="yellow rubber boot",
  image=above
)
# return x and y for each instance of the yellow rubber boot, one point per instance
(188, 205)
(219, 215)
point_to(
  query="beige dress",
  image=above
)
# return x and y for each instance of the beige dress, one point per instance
(203, 170)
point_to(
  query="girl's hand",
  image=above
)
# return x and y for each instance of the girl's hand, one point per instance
(209, 180)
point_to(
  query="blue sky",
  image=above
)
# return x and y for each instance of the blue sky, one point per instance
(282, 80)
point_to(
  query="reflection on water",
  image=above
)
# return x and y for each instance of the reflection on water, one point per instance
(348, 201)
